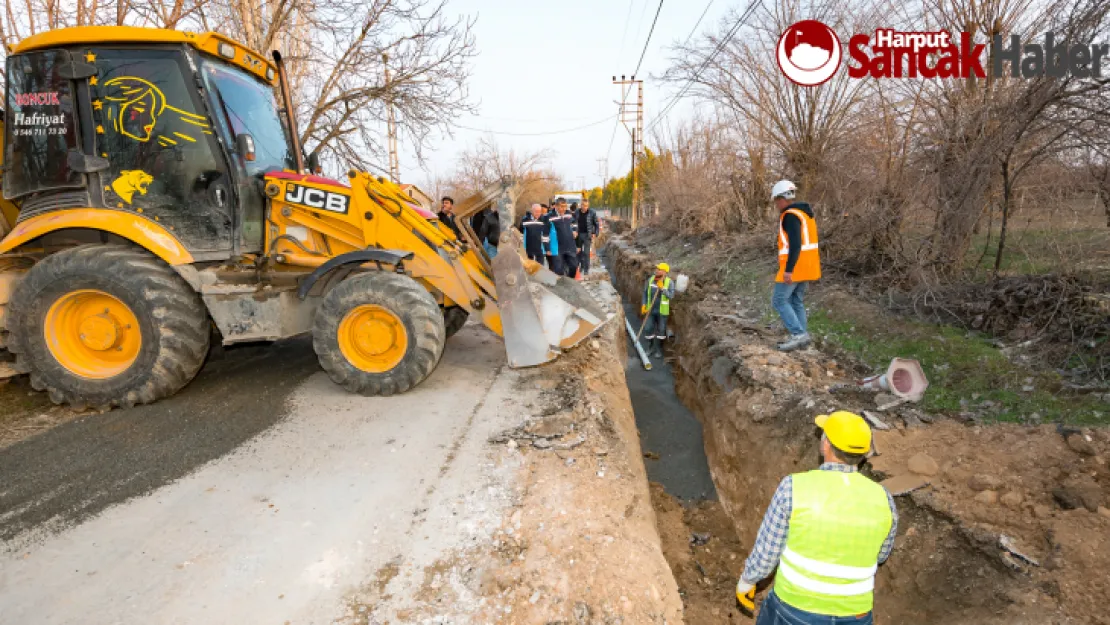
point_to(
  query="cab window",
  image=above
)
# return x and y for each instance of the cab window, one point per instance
(165, 161)
(40, 125)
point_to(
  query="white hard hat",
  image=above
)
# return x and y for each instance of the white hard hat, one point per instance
(784, 189)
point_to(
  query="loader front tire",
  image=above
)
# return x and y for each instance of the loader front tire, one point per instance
(378, 334)
(107, 325)
(454, 318)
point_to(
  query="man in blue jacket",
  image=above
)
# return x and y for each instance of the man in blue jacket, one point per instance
(532, 226)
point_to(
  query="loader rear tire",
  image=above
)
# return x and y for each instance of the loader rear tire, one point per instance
(454, 318)
(378, 334)
(107, 325)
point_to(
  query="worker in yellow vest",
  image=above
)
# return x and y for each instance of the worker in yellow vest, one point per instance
(799, 263)
(827, 531)
(656, 307)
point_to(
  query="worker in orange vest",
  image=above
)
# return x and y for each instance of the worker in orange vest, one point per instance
(799, 263)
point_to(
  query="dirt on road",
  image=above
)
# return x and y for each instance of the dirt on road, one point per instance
(265, 494)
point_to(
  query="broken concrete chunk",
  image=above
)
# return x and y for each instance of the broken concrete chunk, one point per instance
(1010, 545)
(875, 421)
(923, 464)
(1079, 492)
(1080, 445)
(904, 484)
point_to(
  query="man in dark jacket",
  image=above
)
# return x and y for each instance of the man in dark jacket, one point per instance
(489, 230)
(588, 229)
(532, 226)
(562, 232)
(447, 215)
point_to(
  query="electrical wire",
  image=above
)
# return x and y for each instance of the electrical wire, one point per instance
(538, 134)
(709, 59)
(647, 42)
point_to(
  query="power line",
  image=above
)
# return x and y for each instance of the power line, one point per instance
(624, 35)
(648, 41)
(709, 59)
(537, 134)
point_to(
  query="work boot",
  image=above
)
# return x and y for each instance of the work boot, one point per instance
(796, 341)
(658, 348)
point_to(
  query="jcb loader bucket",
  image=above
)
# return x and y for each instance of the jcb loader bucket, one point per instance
(541, 313)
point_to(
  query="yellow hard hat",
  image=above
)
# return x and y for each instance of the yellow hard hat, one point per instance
(846, 431)
(663, 266)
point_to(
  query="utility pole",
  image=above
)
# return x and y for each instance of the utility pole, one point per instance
(603, 170)
(632, 116)
(391, 125)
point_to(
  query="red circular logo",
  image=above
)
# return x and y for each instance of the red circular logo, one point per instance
(808, 53)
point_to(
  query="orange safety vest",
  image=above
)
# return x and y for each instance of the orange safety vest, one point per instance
(808, 267)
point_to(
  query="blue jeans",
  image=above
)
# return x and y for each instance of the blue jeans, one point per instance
(788, 300)
(490, 250)
(774, 612)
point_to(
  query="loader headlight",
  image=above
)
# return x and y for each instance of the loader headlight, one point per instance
(226, 50)
(270, 74)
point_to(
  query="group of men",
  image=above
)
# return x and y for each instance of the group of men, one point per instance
(558, 235)
(561, 236)
(486, 224)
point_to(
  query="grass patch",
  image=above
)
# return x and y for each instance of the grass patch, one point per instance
(966, 372)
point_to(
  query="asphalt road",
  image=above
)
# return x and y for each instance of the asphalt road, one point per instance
(263, 493)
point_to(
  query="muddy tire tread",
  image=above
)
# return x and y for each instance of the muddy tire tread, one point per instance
(174, 324)
(403, 296)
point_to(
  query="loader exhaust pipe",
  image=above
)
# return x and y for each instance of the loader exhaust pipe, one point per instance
(290, 113)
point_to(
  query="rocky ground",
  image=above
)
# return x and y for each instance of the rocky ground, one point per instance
(1001, 523)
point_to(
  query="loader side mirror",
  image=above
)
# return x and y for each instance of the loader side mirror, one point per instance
(244, 145)
(313, 163)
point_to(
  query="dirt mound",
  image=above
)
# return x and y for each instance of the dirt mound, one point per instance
(949, 565)
(705, 556)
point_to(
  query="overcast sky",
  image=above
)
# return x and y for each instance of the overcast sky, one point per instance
(545, 66)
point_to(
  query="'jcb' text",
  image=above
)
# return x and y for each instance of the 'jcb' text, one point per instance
(317, 198)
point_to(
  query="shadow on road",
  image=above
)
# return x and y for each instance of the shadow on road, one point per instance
(77, 469)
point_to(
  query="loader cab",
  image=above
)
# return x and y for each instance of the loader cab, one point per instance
(179, 132)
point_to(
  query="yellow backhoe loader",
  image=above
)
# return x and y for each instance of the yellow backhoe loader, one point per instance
(157, 196)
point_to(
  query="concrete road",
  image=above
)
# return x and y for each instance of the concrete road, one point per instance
(261, 494)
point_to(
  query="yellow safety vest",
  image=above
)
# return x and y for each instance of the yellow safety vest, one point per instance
(837, 526)
(664, 301)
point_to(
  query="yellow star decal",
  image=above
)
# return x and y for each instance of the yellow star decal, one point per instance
(97, 105)
(90, 57)
(100, 130)
(92, 81)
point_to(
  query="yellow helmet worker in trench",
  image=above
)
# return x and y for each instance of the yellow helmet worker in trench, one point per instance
(656, 307)
(826, 530)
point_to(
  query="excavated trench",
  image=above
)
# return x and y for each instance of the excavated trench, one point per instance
(756, 407)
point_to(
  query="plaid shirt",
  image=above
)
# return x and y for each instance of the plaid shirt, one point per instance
(771, 540)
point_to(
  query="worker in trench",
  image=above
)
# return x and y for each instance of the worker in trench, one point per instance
(827, 531)
(799, 263)
(656, 307)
